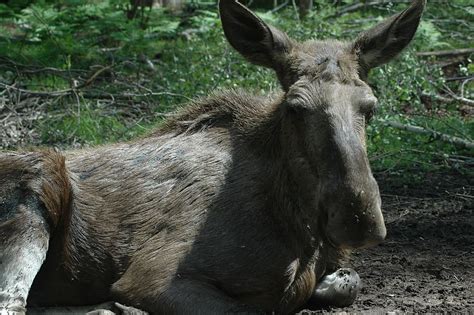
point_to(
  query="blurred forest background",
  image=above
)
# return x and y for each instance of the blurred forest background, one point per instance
(76, 73)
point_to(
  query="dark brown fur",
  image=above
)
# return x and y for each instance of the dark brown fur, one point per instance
(230, 120)
(238, 203)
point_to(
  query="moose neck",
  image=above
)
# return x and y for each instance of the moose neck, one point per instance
(293, 185)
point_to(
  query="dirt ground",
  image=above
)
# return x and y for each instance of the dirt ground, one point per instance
(426, 263)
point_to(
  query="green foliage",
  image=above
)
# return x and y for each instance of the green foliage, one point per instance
(76, 34)
(87, 125)
(191, 58)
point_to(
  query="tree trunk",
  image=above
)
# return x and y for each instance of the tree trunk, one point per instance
(305, 6)
(174, 5)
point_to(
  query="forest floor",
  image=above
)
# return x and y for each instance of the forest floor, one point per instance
(426, 262)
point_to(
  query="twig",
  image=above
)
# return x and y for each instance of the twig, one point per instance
(37, 93)
(93, 77)
(156, 94)
(448, 100)
(450, 21)
(464, 196)
(128, 96)
(458, 98)
(281, 6)
(447, 53)
(359, 21)
(464, 100)
(77, 86)
(295, 7)
(467, 78)
(60, 92)
(358, 6)
(434, 134)
(463, 84)
(465, 159)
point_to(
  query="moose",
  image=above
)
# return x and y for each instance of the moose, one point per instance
(236, 204)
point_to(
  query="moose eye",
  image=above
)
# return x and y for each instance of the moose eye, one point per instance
(368, 108)
(322, 61)
(368, 115)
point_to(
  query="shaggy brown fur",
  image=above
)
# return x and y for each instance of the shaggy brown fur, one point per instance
(238, 203)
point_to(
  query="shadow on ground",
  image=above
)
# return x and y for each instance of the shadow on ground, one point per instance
(425, 264)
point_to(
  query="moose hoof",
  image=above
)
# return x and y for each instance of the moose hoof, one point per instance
(128, 310)
(339, 288)
(114, 308)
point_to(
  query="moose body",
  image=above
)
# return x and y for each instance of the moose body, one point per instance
(186, 201)
(238, 203)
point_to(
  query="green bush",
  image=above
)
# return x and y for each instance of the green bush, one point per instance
(184, 56)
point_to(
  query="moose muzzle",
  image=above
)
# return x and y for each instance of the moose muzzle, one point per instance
(355, 218)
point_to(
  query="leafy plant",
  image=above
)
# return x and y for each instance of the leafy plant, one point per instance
(159, 61)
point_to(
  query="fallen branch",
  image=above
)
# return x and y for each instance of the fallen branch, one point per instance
(8, 63)
(60, 92)
(90, 95)
(449, 62)
(37, 93)
(463, 100)
(462, 143)
(93, 77)
(446, 53)
(449, 100)
(438, 98)
(463, 78)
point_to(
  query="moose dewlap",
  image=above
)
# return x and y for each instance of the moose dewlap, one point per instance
(238, 203)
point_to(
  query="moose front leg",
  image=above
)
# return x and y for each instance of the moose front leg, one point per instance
(179, 296)
(188, 296)
(24, 237)
(34, 187)
(107, 308)
(337, 289)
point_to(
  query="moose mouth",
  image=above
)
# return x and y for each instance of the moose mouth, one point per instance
(348, 235)
(323, 226)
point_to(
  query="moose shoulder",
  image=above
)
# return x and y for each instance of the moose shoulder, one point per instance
(238, 203)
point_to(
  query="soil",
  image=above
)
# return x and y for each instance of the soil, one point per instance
(426, 263)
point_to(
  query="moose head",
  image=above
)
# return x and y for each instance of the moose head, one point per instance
(329, 103)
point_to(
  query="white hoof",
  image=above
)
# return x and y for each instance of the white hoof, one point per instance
(339, 288)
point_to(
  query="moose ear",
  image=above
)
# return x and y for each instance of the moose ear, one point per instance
(258, 42)
(384, 41)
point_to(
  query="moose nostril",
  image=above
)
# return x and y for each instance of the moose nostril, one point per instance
(369, 102)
